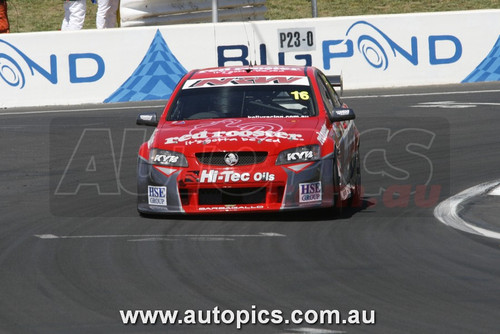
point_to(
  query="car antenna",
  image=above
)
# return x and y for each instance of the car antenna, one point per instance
(249, 69)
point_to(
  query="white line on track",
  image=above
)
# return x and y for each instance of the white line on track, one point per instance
(305, 330)
(158, 237)
(447, 211)
(162, 105)
(454, 105)
(104, 108)
(495, 192)
(423, 94)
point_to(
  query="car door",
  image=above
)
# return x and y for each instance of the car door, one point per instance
(343, 132)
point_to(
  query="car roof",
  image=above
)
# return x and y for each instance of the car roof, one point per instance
(242, 71)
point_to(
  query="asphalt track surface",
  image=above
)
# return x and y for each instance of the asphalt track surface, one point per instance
(71, 258)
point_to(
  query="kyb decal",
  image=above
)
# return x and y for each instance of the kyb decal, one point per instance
(165, 159)
(305, 155)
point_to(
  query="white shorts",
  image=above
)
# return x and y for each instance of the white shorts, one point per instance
(74, 14)
(106, 13)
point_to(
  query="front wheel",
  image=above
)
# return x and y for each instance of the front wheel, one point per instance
(356, 200)
(338, 203)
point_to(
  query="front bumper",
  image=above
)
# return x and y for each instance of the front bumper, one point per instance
(213, 189)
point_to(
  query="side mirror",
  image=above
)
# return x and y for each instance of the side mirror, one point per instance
(342, 114)
(148, 119)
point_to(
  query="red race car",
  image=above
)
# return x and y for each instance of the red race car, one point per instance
(250, 138)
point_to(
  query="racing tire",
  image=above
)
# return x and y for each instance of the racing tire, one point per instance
(356, 200)
(338, 203)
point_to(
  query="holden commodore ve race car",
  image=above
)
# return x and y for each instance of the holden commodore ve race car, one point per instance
(250, 138)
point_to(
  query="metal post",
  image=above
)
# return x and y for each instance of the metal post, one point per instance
(314, 5)
(215, 11)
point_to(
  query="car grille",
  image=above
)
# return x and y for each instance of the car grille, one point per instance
(195, 196)
(232, 196)
(217, 158)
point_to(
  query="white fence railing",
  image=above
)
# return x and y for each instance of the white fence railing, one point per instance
(135, 13)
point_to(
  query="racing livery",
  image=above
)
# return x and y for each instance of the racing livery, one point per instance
(250, 138)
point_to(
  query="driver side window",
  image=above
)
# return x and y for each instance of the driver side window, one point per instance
(328, 100)
(331, 92)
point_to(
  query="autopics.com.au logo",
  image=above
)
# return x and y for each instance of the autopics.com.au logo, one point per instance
(405, 162)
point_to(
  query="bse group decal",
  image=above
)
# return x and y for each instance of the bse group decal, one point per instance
(157, 195)
(310, 192)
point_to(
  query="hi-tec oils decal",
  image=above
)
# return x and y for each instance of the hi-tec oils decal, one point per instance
(213, 176)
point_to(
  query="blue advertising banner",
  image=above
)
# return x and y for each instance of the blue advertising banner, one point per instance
(145, 63)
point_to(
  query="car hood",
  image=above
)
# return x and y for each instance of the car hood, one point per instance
(259, 134)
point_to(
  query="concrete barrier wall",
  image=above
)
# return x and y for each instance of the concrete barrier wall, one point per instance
(160, 12)
(144, 63)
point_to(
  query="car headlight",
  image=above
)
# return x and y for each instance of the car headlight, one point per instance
(167, 158)
(299, 154)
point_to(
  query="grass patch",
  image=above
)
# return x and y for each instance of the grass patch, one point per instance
(42, 15)
(294, 9)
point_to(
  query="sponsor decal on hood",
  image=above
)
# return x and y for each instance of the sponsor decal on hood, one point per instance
(238, 131)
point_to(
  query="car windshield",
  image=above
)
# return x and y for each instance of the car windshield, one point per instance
(252, 101)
